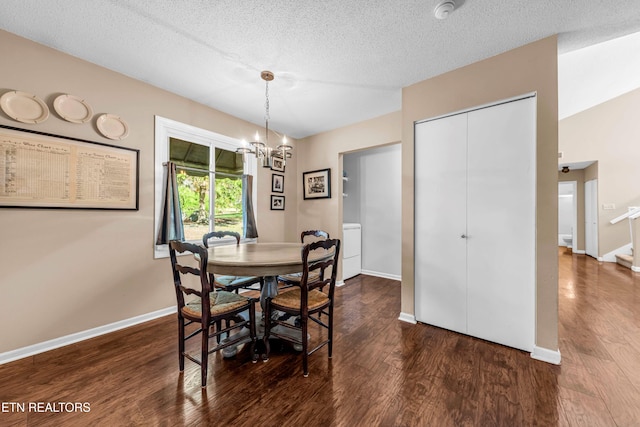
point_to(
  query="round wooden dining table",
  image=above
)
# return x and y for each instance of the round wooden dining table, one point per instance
(267, 260)
(257, 259)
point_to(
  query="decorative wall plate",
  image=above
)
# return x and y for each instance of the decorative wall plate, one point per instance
(72, 109)
(112, 127)
(24, 107)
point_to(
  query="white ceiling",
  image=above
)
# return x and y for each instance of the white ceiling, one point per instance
(594, 74)
(336, 61)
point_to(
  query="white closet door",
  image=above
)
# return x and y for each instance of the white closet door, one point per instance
(501, 223)
(440, 221)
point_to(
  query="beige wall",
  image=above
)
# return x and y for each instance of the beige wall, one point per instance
(578, 177)
(325, 151)
(608, 133)
(66, 271)
(530, 68)
(591, 172)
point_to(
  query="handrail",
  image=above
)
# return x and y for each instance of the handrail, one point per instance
(633, 213)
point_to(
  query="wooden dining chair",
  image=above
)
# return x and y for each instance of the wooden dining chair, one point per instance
(230, 283)
(206, 308)
(293, 279)
(307, 301)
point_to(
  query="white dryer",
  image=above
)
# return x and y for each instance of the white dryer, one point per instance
(351, 250)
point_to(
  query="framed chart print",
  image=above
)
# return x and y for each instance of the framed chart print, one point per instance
(42, 170)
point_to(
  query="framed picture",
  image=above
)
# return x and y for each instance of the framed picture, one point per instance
(277, 203)
(43, 170)
(317, 184)
(277, 164)
(277, 183)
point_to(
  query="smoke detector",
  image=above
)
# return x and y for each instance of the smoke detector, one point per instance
(443, 9)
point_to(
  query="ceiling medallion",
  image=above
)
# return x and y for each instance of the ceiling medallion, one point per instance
(444, 9)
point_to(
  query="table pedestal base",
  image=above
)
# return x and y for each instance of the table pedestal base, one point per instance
(231, 351)
(269, 290)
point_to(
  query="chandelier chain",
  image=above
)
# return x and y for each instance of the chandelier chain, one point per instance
(266, 110)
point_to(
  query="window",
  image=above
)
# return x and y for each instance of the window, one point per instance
(209, 178)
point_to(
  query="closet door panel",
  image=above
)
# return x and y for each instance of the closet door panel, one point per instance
(501, 223)
(591, 217)
(440, 221)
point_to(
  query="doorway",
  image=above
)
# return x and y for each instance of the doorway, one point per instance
(372, 198)
(568, 214)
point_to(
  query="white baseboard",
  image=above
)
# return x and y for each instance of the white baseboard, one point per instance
(579, 251)
(340, 283)
(30, 350)
(383, 275)
(634, 268)
(546, 355)
(409, 318)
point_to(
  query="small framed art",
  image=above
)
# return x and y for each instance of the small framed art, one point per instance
(277, 203)
(317, 184)
(277, 164)
(277, 183)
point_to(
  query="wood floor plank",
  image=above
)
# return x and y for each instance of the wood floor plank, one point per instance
(384, 372)
(573, 374)
(618, 394)
(584, 410)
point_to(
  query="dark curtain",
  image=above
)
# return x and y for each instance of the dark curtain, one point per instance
(171, 227)
(250, 227)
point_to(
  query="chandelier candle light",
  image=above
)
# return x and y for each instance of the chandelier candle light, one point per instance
(261, 150)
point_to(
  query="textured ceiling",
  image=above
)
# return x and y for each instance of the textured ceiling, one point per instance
(336, 61)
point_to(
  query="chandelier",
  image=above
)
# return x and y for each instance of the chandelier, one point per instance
(266, 155)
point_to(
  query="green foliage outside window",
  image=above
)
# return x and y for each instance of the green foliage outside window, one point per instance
(194, 200)
(228, 196)
(194, 188)
(228, 210)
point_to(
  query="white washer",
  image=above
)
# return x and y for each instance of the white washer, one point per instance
(351, 250)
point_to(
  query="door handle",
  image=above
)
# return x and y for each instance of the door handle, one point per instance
(464, 236)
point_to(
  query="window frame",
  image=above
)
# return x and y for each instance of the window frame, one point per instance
(166, 129)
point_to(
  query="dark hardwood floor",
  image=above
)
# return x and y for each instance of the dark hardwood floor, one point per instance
(384, 372)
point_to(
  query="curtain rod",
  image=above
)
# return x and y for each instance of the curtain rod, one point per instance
(204, 170)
